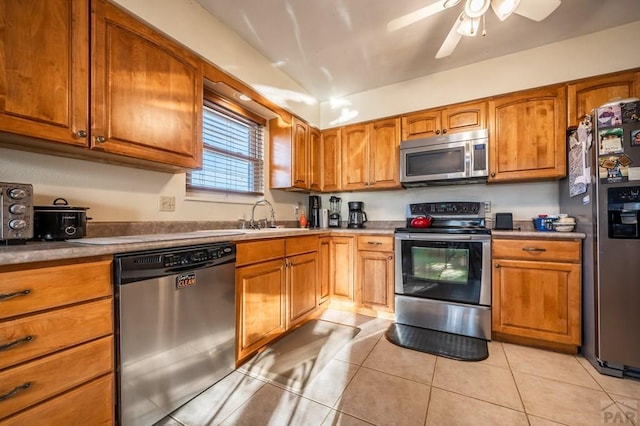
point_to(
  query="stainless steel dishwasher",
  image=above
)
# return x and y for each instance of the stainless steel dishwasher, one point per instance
(175, 322)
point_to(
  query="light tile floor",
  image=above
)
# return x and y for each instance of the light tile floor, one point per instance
(372, 381)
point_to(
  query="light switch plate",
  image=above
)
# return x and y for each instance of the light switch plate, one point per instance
(167, 203)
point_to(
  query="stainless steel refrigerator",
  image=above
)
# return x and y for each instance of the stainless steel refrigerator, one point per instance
(602, 191)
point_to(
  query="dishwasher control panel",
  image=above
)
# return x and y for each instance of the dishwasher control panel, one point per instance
(196, 256)
(132, 267)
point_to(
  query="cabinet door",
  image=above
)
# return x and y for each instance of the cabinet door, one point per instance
(330, 166)
(585, 95)
(303, 286)
(260, 305)
(464, 117)
(324, 269)
(315, 160)
(146, 92)
(538, 300)
(375, 280)
(355, 157)
(384, 142)
(341, 268)
(421, 124)
(300, 155)
(527, 136)
(44, 63)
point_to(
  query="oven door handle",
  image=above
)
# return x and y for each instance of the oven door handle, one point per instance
(442, 237)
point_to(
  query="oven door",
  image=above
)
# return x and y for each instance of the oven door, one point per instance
(446, 267)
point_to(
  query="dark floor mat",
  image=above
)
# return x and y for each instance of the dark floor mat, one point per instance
(439, 343)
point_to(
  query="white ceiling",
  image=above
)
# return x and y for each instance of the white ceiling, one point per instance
(334, 48)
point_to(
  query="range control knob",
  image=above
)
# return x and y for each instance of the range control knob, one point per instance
(17, 193)
(17, 208)
(17, 224)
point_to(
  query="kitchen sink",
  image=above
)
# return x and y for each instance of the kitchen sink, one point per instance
(261, 230)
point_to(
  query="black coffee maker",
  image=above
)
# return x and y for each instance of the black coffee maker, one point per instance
(357, 217)
(314, 211)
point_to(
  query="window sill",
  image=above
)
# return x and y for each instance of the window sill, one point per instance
(209, 197)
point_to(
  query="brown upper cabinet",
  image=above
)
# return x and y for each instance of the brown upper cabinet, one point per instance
(527, 135)
(370, 155)
(145, 99)
(330, 167)
(315, 159)
(44, 66)
(585, 95)
(452, 119)
(146, 91)
(290, 153)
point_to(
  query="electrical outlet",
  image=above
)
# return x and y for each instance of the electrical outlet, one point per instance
(167, 203)
(487, 206)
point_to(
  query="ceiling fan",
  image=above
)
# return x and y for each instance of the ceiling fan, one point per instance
(468, 21)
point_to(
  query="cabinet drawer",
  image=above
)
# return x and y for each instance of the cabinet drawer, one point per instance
(375, 243)
(259, 251)
(543, 250)
(45, 377)
(90, 404)
(35, 335)
(38, 288)
(301, 245)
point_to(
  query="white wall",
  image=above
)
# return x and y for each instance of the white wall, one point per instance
(558, 62)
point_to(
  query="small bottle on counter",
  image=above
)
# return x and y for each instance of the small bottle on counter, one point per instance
(303, 220)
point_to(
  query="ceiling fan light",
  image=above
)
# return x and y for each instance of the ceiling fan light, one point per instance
(468, 26)
(450, 3)
(476, 8)
(504, 8)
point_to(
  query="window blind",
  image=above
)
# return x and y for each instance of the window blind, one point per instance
(232, 159)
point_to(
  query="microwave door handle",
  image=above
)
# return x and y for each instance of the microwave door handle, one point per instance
(468, 160)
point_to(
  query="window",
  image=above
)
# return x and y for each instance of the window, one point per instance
(232, 158)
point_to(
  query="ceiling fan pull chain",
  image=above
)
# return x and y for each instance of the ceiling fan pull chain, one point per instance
(484, 27)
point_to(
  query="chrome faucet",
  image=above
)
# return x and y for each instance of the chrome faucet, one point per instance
(252, 224)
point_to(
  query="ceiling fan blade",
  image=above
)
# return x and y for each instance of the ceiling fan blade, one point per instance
(413, 17)
(452, 40)
(536, 10)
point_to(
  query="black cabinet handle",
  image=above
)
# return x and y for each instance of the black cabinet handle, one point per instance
(15, 343)
(15, 391)
(7, 296)
(533, 249)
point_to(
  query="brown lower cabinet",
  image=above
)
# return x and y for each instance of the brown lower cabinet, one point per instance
(361, 274)
(276, 289)
(57, 338)
(375, 273)
(537, 292)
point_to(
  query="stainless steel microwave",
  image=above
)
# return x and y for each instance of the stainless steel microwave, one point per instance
(447, 159)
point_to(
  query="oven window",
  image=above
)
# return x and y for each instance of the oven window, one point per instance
(442, 270)
(441, 264)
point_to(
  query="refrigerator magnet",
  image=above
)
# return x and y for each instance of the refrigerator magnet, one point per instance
(635, 137)
(610, 141)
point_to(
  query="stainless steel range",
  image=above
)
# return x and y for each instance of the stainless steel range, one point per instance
(443, 272)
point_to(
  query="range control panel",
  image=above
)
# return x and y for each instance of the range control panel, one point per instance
(447, 209)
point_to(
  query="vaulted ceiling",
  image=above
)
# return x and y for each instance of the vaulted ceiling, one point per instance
(334, 48)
